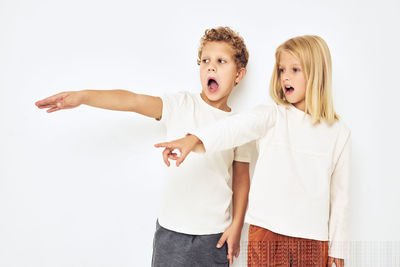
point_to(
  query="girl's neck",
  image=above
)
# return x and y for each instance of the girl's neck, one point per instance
(300, 105)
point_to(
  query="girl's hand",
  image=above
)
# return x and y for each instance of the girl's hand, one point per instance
(64, 100)
(338, 262)
(232, 238)
(184, 145)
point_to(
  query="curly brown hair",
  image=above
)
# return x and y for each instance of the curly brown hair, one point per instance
(226, 34)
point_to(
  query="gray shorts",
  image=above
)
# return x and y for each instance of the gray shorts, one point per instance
(173, 249)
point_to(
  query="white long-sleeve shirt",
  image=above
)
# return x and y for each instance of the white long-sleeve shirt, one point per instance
(300, 182)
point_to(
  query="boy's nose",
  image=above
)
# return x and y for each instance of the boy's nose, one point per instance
(211, 68)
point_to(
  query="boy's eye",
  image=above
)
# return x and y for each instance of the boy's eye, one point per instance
(205, 60)
(221, 61)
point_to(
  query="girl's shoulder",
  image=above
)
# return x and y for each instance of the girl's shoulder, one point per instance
(342, 128)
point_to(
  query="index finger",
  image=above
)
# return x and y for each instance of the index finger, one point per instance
(165, 145)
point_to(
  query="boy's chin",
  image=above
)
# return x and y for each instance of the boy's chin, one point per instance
(217, 96)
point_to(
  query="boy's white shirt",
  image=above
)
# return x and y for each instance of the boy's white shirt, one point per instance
(301, 179)
(197, 195)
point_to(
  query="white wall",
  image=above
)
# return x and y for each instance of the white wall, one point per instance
(81, 187)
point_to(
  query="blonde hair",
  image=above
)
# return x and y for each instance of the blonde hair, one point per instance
(315, 58)
(229, 36)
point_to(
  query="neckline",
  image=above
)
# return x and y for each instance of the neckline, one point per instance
(296, 110)
(201, 100)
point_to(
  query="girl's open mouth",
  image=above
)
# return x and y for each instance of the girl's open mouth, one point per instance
(288, 89)
(212, 85)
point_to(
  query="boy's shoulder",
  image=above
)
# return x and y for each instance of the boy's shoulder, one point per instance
(180, 97)
(179, 105)
(179, 100)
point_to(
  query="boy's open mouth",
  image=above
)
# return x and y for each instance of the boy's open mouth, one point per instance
(212, 85)
(288, 89)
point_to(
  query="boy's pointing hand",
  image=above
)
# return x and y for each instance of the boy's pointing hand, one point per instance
(184, 145)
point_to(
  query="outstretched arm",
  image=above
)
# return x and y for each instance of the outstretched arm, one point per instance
(227, 133)
(121, 100)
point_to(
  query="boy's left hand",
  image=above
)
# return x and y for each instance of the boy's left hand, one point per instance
(338, 262)
(232, 238)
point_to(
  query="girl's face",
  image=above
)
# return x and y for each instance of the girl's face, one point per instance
(293, 81)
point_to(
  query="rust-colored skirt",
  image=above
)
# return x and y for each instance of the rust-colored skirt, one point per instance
(269, 249)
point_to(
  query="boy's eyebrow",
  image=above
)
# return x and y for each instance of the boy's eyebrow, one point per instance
(218, 55)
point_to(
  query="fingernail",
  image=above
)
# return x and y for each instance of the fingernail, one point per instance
(218, 245)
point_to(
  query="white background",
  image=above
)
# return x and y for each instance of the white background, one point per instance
(81, 187)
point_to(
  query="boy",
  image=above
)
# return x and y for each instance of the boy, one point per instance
(194, 227)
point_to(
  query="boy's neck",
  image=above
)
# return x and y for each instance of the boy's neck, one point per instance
(221, 104)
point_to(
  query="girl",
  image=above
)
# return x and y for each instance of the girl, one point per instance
(299, 193)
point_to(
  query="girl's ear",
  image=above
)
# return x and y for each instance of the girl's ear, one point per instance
(240, 74)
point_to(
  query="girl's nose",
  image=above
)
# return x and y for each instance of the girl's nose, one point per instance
(285, 77)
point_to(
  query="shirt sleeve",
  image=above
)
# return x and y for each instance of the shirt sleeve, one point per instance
(243, 152)
(339, 198)
(238, 129)
(171, 104)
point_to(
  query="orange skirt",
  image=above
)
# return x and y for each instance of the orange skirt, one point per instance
(269, 249)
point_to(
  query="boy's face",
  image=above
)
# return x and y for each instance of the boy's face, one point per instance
(218, 72)
(292, 79)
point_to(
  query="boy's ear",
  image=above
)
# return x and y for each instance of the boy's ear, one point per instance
(240, 74)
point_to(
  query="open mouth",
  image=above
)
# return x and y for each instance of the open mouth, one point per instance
(288, 89)
(212, 85)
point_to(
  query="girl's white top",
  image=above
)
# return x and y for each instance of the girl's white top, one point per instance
(300, 182)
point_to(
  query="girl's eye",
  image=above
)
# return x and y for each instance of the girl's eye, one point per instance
(221, 61)
(281, 70)
(205, 60)
(296, 69)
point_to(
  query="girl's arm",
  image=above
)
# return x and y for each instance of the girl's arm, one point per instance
(227, 133)
(339, 198)
(240, 188)
(238, 129)
(121, 100)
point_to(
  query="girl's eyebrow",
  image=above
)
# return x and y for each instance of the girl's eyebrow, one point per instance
(291, 65)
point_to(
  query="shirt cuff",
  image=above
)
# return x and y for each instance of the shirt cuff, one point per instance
(338, 249)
